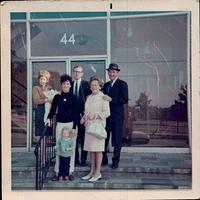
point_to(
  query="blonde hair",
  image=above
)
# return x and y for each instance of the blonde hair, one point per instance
(45, 74)
(96, 78)
(67, 129)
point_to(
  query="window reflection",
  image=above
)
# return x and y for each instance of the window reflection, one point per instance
(68, 38)
(18, 85)
(152, 52)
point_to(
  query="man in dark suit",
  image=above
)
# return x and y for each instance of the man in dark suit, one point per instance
(116, 92)
(81, 89)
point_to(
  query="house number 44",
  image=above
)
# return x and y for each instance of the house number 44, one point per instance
(66, 40)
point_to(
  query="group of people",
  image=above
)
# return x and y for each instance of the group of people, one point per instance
(77, 106)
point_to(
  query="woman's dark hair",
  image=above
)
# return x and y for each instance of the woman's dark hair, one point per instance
(64, 78)
(96, 78)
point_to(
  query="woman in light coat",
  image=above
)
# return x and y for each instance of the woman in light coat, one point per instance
(96, 109)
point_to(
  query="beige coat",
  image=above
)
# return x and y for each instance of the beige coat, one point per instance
(96, 105)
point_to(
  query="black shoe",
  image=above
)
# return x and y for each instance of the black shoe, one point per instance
(77, 162)
(83, 164)
(114, 165)
(71, 177)
(104, 162)
(55, 178)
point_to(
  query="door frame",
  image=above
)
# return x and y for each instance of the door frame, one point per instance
(30, 99)
(68, 66)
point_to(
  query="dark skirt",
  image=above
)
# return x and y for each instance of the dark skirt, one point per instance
(39, 120)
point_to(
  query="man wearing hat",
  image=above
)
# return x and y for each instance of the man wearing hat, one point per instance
(116, 92)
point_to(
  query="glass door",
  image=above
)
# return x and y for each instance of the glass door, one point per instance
(56, 69)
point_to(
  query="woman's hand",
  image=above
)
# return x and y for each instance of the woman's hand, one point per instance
(107, 98)
(91, 116)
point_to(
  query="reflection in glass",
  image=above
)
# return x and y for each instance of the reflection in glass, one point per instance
(18, 85)
(152, 52)
(68, 38)
(91, 68)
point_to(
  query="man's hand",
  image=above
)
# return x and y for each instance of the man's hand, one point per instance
(107, 98)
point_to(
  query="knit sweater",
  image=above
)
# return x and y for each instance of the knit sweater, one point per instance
(66, 106)
(65, 147)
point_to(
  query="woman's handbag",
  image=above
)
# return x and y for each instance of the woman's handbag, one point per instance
(96, 129)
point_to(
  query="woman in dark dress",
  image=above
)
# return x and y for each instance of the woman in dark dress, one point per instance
(39, 100)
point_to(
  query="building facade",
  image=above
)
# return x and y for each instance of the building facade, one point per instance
(151, 48)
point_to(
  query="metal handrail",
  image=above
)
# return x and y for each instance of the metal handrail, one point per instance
(44, 152)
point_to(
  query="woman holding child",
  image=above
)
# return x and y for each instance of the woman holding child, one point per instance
(96, 110)
(39, 100)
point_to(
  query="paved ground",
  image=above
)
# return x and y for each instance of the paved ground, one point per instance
(136, 171)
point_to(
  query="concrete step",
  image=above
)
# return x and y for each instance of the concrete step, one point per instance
(112, 180)
(23, 184)
(136, 171)
(124, 181)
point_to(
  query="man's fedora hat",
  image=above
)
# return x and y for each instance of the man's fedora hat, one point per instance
(113, 66)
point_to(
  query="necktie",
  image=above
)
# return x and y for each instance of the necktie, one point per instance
(76, 88)
(109, 86)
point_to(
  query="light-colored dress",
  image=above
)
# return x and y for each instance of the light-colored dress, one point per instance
(96, 105)
(50, 95)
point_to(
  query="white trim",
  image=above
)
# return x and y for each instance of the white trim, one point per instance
(67, 66)
(154, 150)
(89, 57)
(67, 19)
(19, 20)
(147, 15)
(108, 42)
(29, 85)
(189, 70)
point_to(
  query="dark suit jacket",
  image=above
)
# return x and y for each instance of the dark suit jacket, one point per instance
(84, 91)
(119, 94)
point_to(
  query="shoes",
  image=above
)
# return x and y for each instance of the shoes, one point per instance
(94, 179)
(127, 140)
(71, 177)
(87, 177)
(83, 164)
(77, 162)
(66, 178)
(104, 160)
(55, 178)
(60, 178)
(114, 165)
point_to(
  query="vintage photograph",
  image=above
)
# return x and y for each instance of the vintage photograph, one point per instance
(100, 99)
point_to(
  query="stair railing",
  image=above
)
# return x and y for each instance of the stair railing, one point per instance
(44, 152)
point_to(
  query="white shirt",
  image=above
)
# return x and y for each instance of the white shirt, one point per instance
(114, 81)
(79, 83)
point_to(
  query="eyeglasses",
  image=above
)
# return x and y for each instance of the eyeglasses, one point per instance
(77, 71)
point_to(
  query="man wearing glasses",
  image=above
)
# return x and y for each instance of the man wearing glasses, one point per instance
(81, 89)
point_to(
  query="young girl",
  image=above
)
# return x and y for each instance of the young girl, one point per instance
(64, 150)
